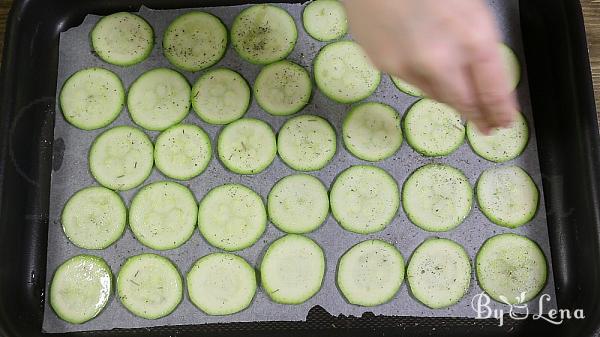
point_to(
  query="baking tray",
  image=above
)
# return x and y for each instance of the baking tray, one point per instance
(568, 145)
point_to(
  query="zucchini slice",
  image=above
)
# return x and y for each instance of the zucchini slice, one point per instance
(325, 20)
(437, 197)
(439, 273)
(511, 65)
(163, 215)
(344, 73)
(247, 146)
(372, 131)
(80, 288)
(282, 88)
(263, 34)
(292, 269)
(122, 39)
(232, 217)
(406, 87)
(221, 284)
(433, 129)
(92, 98)
(298, 204)
(149, 286)
(159, 99)
(306, 143)
(195, 41)
(370, 273)
(507, 196)
(221, 96)
(182, 151)
(121, 158)
(94, 218)
(364, 199)
(503, 144)
(511, 268)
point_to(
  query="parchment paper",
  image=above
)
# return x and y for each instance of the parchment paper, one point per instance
(71, 174)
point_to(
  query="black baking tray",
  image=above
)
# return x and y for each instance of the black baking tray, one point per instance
(567, 137)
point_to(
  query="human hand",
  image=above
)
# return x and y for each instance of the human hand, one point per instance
(447, 49)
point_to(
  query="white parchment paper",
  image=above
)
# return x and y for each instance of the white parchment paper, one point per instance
(71, 173)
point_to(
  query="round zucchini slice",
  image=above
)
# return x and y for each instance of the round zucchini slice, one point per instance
(511, 268)
(370, 273)
(292, 269)
(80, 288)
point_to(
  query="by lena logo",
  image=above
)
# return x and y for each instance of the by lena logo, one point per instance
(518, 310)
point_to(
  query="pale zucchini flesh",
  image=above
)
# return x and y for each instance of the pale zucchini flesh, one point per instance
(263, 34)
(292, 269)
(92, 98)
(94, 218)
(372, 131)
(80, 288)
(511, 268)
(433, 129)
(247, 146)
(298, 204)
(182, 151)
(282, 88)
(364, 199)
(370, 273)
(149, 286)
(163, 215)
(325, 20)
(221, 284)
(159, 99)
(503, 144)
(121, 158)
(221, 96)
(406, 87)
(439, 273)
(437, 197)
(195, 40)
(306, 143)
(232, 217)
(123, 39)
(511, 64)
(507, 196)
(344, 73)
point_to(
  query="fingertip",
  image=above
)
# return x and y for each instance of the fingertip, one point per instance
(501, 115)
(507, 117)
(482, 126)
(486, 130)
(504, 120)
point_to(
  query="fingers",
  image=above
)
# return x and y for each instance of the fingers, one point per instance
(495, 99)
(478, 89)
(469, 75)
(452, 54)
(454, 88)
(442, 75)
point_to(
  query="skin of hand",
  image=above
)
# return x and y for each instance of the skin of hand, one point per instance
(448, 49)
